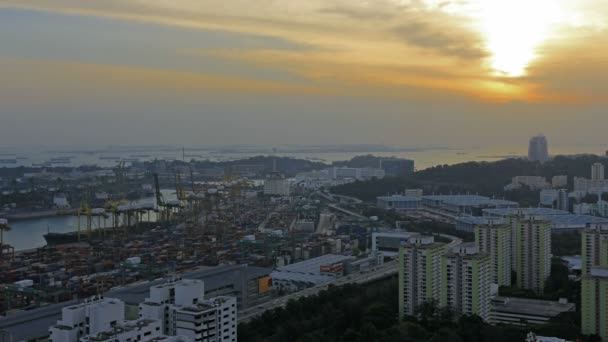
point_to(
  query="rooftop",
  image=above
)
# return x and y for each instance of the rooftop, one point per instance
(469, 200)
(214, 278)
(480, 220)
(301, 277)
(580, 220)
(531, 307)
(398, 198)
(504, 212)
(313, 266)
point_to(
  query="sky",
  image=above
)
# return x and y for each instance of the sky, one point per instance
(406, 73)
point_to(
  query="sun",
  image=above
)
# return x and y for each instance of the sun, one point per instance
(513, 31)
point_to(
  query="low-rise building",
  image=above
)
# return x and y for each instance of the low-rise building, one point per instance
(533, 182)
(311, 272)
(399, 202)
(524, 311)
(463, 205)
(388, 243)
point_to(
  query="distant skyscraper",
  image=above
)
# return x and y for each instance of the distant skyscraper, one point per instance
(538, 149)
(562, 200)
(597, 172)
(397, 167)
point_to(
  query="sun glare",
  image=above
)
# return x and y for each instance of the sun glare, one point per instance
(513, 31)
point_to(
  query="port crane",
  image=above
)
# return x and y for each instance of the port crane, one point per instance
(5, 249)
(166, 208)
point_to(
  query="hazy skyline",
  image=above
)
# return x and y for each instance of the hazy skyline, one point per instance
(419, 72)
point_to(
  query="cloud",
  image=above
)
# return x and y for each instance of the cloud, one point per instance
(442, 39)
(434, 45)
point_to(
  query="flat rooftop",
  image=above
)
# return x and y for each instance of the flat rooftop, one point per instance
(469, 200)
(313, 266)
(399, 198)
(578, 220)
(480, 220)
(35, 323)
(214, 278)
(504, 212)
(301, 277)
(530, 307)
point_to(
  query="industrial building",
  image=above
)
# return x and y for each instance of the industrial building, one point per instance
(463, 205)
(526, 312)
(247, 284)
(388, 243)
(468, 223)
(398, 202)
(311, 272)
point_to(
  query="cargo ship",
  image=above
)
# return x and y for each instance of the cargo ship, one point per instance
(53, 239)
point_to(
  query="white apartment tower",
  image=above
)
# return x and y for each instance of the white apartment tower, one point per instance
(466, 281)
(183, 311)
(419, 273)
(538, 149)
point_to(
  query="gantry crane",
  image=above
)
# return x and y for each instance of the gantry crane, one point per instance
(5, 249)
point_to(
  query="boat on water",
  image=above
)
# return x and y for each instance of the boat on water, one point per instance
(54, 239)
(8, 161)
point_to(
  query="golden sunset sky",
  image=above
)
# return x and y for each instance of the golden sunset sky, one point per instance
(399, 72)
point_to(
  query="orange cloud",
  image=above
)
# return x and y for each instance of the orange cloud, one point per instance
(381, 47)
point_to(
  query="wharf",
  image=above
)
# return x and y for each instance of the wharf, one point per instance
(32, 215)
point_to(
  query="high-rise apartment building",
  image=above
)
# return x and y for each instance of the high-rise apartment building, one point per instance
(538, 149)
(594, 249)
(419, 273)
(594, 284)
(563, 202)
(594, 302)
(495, 239)
(532, 250)
(597, 172)
(466, 279)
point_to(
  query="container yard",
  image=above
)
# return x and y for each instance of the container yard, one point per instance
(216, 225)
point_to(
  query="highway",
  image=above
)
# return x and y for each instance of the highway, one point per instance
(379, 272)
(386, 270)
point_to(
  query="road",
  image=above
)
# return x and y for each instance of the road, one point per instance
(386, 270)
(379, 272)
